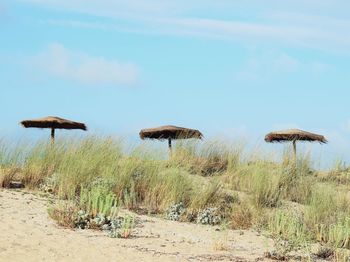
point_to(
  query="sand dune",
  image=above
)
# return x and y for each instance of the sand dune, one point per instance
(28, 234)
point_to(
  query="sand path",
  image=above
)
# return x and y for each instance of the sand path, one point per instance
(28, 234)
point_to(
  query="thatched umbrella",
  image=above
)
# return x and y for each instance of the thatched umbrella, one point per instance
(53, 122)
(170, 133)
(294, 135)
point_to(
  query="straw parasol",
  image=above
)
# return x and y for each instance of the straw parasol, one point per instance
(294, 135)
(53, 123)
(170, 133)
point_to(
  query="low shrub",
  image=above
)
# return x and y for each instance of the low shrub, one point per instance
(209, 216)
(174, 212)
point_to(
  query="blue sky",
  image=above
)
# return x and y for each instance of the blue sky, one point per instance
(229, 68)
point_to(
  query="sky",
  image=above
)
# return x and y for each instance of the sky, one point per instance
(232, 69)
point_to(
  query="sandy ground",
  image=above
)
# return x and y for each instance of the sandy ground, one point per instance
(28, 234)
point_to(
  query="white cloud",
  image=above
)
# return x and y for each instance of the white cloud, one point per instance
(274, 22)
(167, 8)
(115, 8)
(61, 62)
(314, 37)
(333, 39)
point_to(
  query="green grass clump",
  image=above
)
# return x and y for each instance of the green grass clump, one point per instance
(322, 208)
(339, 234)
(326, 216)
(211, 158)
(266, 191)
(294, 186)
(205, 195)
(289, 226)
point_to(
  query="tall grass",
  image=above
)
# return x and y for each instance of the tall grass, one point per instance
(339, 234)
(266, 191)
(213, 157)
(327, 216)
(99, 175)
(10, 160)
(137, 179)
(322, 208)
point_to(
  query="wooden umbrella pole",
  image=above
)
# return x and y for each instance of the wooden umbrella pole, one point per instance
(169, 145)
(295, 153)
(52, 135)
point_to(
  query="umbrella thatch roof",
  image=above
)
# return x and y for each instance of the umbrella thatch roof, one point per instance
(172, 132)
(53, 122)
(294, 135)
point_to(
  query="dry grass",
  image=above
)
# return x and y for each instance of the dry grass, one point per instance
(242, 216)
(8, 174)
(64, 214)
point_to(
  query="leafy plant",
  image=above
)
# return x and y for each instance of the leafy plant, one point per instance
(96, 201)
(124, 228)
(209, 216)
(175, 211)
